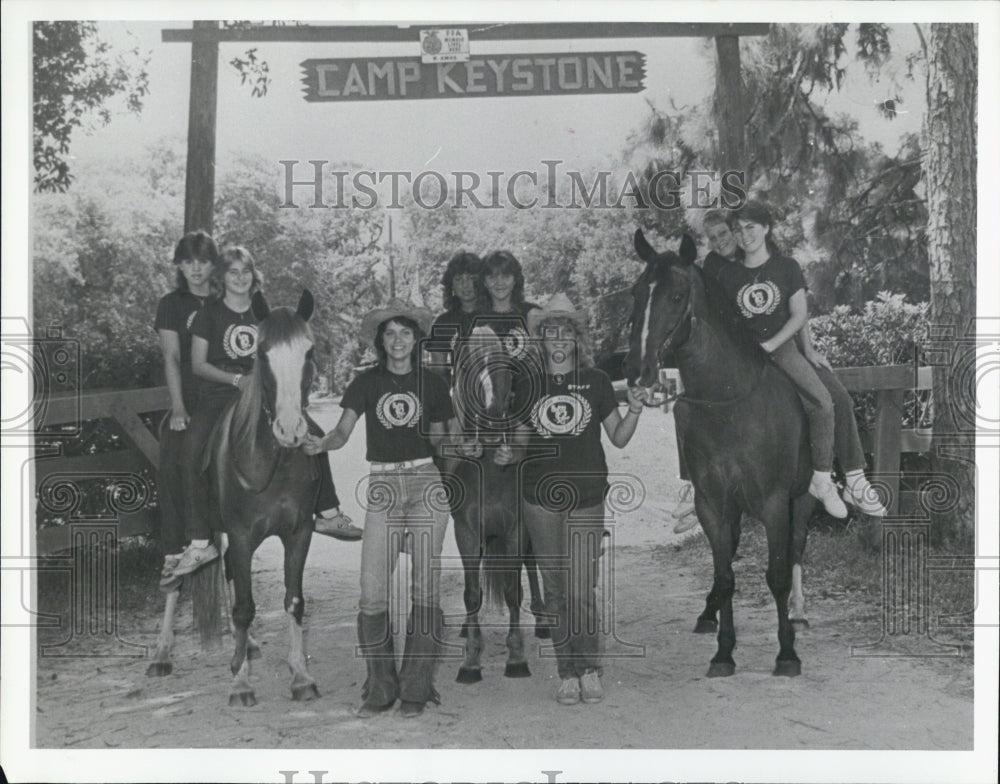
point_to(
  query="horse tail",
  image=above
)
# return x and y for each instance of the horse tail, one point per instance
(208, 598)
(500, 558)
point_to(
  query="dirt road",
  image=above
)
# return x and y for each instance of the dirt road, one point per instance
(657, 694)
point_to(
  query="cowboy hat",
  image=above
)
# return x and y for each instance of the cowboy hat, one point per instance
(558, 306)
(396, 307)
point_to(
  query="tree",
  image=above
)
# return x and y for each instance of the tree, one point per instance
(75, 76)
(950, 178)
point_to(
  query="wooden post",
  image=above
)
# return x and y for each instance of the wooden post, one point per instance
(729, 113)
(199, 189)
(888, 440)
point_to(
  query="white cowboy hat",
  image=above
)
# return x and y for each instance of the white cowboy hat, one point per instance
(396, 307)
(558, 306)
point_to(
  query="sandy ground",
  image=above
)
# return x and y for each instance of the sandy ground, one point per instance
(657, 693)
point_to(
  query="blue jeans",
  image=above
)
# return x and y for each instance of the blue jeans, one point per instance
(568, 547)
(403, 504)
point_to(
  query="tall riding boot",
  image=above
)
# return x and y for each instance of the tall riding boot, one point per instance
(381, 686)
(420, 659)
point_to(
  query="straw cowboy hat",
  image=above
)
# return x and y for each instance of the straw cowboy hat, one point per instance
(396, 307)
(558, 306)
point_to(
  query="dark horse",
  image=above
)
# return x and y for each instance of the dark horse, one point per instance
(491, 538)
(740, 427)
(263, 484)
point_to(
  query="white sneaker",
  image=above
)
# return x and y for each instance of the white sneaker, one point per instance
(569, 692)
(591, 689)
(863, 497)
(821, 486)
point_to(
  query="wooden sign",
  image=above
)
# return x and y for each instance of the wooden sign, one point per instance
(483, 76)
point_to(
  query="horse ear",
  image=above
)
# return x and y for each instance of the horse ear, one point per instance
(643, 248)
(306, 304)
(259, 306)
(689, 252)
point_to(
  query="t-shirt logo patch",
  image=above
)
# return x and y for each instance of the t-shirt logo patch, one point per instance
(190, 320)
(240, 340)
(515, 342)
(398, 409)
(756, 299)
(561, 415)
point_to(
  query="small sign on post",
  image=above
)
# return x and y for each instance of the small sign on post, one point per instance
(444, 45)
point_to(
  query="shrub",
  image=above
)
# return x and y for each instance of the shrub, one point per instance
(889, 331)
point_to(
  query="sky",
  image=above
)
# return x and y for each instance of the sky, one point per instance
(456, 134)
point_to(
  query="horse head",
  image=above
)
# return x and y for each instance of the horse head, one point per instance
(661, 308)
(283, 371)
(482, 381)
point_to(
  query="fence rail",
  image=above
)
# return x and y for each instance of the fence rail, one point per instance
(124, 407)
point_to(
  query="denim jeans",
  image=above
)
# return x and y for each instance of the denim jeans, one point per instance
(829, 409)
(568, 548)
(403, 504)
(197, 524)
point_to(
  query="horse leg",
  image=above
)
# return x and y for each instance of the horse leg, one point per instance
(471, 669)
(718, 527)
(241, 692)
(542, 622)
(802, 508)
(161, 664)
(779, 580)
(517, 662)
(253, 647)
(296, 549)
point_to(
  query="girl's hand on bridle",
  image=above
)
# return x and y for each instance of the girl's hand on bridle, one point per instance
(470, 448)
(636, 397)
(313, 445)
(179, 420)
(504, 455)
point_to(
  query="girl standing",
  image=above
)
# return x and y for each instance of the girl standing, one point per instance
(408, 413)
(564, 482)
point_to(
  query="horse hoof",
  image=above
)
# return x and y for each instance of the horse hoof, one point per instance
(542, 632)
(799, 624)
(517, 670)
(254, 652)
(305, 693)
(721, 669)
(469, 675)
(787, 667)
(157, 669)
(244, 698)
(706, 626)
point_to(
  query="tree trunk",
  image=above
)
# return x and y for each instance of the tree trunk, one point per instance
(950, 141)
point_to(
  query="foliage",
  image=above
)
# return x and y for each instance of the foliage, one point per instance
(887, 331)
(75, 76)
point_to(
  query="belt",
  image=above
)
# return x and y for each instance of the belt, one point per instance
(379, 468)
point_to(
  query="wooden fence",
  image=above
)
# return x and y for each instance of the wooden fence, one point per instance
(124, 407)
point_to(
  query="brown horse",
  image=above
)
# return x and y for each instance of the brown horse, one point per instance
(740, 427)
(263, 484)
(490, 534)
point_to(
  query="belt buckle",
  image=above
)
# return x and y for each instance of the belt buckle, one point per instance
(402, 465)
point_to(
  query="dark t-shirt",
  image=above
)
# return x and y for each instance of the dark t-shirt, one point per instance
(512, 329)
(175, 313)
(232, 341)
(760, 295)
(565, 418)
(714, 264)
(447, 330)
(398, 410)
